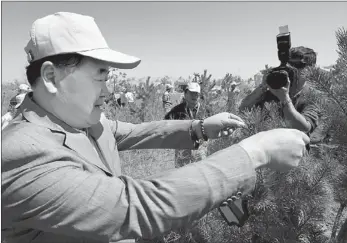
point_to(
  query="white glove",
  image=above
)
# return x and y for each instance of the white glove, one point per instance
(278, 149)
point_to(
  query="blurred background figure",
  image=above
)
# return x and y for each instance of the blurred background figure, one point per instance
(123, 99)
(129, 96)
(166, 98)
(188, 109)
(15, 102)
(234, 88)
(130, 100)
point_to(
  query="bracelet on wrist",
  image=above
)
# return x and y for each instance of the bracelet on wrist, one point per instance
(204, 136)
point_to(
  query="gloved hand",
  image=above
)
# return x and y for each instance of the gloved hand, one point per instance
(278, 149)
(221, 124)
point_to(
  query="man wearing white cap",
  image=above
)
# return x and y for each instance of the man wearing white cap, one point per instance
(15, 102)
(189, 108)
(166, 98)
(61, 172)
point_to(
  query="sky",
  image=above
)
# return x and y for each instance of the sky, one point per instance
(180, 38)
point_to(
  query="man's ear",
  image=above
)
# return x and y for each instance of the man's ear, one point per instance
(48, 75)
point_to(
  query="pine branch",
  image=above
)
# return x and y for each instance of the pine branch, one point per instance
(323, 81)
(337, 220)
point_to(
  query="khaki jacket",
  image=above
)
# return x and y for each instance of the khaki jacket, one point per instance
(55, 187)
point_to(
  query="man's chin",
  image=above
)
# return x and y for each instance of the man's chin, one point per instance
(95, 116)
(193, 104)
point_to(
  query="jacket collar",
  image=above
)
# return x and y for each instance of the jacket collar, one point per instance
(74, 138)
(190, 112)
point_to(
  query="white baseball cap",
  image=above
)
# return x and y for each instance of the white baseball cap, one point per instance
(65, 32)
(193, 87)
(24, 88)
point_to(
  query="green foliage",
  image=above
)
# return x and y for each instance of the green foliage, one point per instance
(116, 80)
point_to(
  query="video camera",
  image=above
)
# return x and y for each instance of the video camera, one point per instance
(278, 76)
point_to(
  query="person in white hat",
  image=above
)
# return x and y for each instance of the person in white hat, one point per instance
(166, 98)
(189, 108)
(11, 111)
(23, 89)
(19, 100)
(15, 102)
(61, 171)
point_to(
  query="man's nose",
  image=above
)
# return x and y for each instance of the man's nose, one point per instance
(105, 90)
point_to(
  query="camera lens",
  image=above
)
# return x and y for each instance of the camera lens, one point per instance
(277, 79)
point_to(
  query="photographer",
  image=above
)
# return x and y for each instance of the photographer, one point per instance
(298, 111)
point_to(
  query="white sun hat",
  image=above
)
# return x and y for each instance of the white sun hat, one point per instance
(65, 32)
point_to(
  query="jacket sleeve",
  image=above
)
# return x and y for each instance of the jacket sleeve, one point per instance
(43, 188)
(307, 105)
(171, 115)
(165, 134)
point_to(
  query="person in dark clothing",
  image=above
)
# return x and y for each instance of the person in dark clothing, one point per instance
(188, 109)
(298, 111)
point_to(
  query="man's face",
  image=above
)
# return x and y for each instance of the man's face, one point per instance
(81, 93)
(191, 98)
(297, 62)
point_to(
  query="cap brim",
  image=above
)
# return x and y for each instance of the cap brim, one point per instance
(194, 90)
(114, 58)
